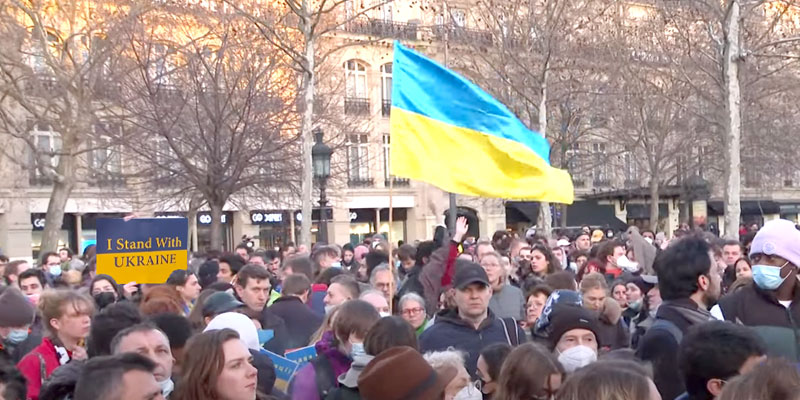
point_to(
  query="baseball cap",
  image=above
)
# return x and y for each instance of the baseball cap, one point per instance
(220, 302)
(468, 273)
(562, 243)
(778, 238)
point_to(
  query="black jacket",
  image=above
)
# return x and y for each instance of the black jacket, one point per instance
(300, 321)
(280, 339)
(449, 330)
(265, 377)
(660, 348)
(411, 284)
(759, 309)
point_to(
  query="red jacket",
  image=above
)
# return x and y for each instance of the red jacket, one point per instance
(30, 366)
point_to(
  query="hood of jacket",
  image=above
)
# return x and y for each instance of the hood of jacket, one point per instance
(451, 316)
(612, 312)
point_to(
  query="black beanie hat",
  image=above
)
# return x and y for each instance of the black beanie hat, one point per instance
(15, 309)
(567, 317)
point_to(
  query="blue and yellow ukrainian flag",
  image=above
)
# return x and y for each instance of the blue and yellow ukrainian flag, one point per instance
(450, 133)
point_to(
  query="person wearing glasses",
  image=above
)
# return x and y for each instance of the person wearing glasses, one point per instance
(412, 309)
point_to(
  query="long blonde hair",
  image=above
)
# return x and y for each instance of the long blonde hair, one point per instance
(327, 325)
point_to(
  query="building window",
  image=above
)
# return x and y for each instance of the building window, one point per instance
(600, 167)
(386, 89)
(356, 101)
(631, 168)
(459, 17)
(44, 157)
(387, 12)
(162, 65)
(36, 56)
(105, 158)
(358, 160)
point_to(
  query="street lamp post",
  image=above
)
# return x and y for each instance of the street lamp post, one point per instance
(321, 157)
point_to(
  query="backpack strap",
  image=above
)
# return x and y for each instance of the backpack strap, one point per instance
(509, 333)
(670, 327)
(42, 369)
(324, 375)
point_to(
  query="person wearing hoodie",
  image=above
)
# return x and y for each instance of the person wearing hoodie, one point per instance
(335, 351)
(689, 281)
(240, 323)
(301, 321)
(643, 250)
(387, 333)
(471, 326)
(16, 317)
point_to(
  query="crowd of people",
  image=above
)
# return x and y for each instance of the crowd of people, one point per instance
(594, 315)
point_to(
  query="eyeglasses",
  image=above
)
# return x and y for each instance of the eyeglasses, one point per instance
(413, 311)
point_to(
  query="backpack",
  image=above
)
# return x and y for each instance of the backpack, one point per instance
(324, 374)
(510, 328)
(670, 327)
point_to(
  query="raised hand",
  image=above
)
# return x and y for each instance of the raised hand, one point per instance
(461, 229)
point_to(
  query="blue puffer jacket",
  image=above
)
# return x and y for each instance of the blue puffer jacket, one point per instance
(450, 330)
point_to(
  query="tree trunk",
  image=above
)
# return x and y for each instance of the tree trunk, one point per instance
(654, 200)
(733, 119)
(306, 136)
(216, 225)
(194, 205)
(545, 216)
(63, 183)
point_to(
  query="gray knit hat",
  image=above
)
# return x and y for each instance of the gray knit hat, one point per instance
(15, 309)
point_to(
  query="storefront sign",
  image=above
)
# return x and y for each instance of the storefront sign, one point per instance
(204, 218)
(142, 250)
(266, 217)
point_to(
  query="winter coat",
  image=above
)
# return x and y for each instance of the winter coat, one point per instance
(759, 309)
(450, 330)
(280, 339)
(411, 284)
(30, 366)
(612, 329)
(304, 383)
(432, 274)
(660, 347)
(300, 321)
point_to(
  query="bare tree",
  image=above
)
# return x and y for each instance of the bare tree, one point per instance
(56, 65)
(212, 115)
(539, 60)
(717, 41)
(310, 34)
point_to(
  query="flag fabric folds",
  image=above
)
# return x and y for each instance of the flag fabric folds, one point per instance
(448, 132)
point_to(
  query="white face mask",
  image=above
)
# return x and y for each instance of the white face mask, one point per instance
(624, 263)
(577, 357)
(167, 386)
(469, 392)
(648, 240)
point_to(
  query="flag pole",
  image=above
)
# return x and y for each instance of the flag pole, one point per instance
(391, 221)
(453, 208)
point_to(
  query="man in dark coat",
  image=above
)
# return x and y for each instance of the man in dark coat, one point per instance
(301, 321)
(690, 281)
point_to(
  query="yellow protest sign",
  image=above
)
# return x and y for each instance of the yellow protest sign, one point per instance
(142, 250)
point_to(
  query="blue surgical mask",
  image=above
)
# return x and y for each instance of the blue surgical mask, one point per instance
(55, 271)
(17, 336)
(337, 264)
(768, 277)
(357, 349)
(635, 305)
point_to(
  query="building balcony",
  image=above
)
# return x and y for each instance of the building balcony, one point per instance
(459, 34)
(356, 106)
(398, 182)
(386, 107)
(360, 182)
(601, 183)
(106, 180)
(382, 28)
(579, 183)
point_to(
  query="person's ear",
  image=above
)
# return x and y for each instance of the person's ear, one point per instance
(55, 323)
(703, 282)
(714, 386)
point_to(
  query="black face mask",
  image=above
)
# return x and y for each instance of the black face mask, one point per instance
(104, 299)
